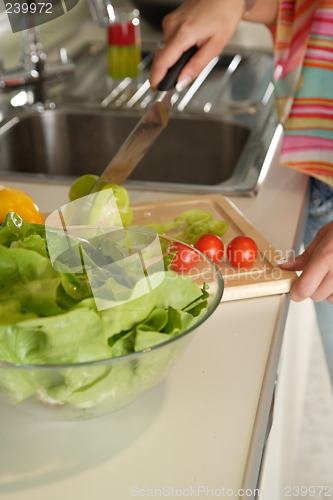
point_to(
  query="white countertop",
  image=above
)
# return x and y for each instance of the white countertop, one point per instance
(203, 427)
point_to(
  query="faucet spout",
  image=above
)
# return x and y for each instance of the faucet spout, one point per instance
(34, 70)
(102, 11)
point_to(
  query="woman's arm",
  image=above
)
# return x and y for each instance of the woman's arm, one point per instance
(263, 11)
(209, 24)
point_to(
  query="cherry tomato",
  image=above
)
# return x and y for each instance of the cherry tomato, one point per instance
(242, 251)
(211, 245)
(15, 200)
(184, 258)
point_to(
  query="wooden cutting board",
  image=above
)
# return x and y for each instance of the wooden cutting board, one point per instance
(264, 277)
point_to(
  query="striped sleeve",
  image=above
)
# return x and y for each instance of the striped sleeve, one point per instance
(303, 78)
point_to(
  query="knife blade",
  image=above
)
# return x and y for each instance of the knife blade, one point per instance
(97, 208)
(139, 141)
(147, 129)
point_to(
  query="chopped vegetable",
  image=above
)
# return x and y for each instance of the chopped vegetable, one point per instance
(190, 225)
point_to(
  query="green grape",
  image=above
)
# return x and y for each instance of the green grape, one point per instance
(120, 193)
(126, 216)
(82, 186)
(99, 211)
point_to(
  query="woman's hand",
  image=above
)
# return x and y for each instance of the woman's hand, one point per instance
(316, 262)
(208, 24)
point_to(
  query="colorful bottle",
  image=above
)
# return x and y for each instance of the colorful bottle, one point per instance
(124, 45)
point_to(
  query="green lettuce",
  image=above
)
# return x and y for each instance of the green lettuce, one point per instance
(49, 317)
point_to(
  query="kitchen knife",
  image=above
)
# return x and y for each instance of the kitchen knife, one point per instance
(95, 209)
(147, 130)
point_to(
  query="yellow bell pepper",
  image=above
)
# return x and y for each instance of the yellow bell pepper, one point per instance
(15, 200)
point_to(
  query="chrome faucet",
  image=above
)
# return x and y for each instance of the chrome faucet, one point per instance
(34, 69)
(102, 11)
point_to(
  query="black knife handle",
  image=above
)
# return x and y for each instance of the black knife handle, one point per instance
(170, 79)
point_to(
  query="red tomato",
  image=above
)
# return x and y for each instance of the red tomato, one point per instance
(242, 251)
(211, 245)
(184, 258)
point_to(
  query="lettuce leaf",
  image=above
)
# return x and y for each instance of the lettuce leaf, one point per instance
(14, 228)
(48, 317)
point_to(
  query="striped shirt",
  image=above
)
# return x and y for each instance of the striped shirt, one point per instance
(303, 77)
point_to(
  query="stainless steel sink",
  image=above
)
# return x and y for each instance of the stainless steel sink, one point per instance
(62, 142)
(211, 144)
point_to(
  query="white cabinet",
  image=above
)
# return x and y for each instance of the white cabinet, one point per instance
(282, 443)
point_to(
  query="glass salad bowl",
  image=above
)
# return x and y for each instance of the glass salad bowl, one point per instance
(91, 317)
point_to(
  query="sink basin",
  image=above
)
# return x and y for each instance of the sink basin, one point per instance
(221, 137)
(72, 142)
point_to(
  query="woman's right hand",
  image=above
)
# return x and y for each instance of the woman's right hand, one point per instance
(208, 24)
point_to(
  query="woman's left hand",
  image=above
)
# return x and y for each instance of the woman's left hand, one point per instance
(316, 262)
